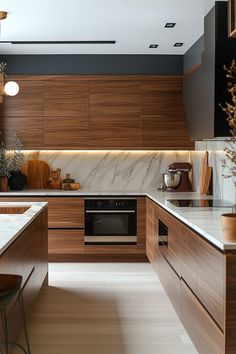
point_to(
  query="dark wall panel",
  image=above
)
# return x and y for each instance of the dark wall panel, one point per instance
(93, 64)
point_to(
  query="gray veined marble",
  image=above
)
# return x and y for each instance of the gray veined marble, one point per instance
(112, 170)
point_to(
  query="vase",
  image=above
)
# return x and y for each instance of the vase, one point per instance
(228, 222)
(17, 181)
(4, 184)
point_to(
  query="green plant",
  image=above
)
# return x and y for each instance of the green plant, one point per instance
(4, 162)
(10, 160)
(17, 160)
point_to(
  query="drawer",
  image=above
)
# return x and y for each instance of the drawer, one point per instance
(65, 213)
(170, 281)
(203, 269)
(65, 242)
(175, 230)
(205, 334)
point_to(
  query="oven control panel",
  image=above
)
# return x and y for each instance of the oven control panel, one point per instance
(114, 204)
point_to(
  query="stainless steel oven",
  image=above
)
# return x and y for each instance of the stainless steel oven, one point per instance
(110, 221)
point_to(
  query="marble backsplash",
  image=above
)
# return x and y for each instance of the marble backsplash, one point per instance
(115, 170)
(138, 170)
(222, 187)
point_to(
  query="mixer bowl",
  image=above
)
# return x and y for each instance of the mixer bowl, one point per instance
(171, 180)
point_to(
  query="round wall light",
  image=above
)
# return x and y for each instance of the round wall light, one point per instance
(11, 88)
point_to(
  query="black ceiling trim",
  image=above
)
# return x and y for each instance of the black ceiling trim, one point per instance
(60, 42)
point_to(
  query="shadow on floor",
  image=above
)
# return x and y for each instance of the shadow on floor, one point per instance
(74, 321)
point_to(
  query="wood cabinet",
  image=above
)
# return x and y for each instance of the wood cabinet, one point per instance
(162, 113)
(66, 233)
(65, 213)
(199, 280)
(203, 270)
(96, 112)
(151, 234)
(27, 256)
(206, 335)
(172, 248)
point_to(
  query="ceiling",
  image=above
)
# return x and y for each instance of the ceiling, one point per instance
(133, 24)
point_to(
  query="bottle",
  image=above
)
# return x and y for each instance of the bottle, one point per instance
(67, 181)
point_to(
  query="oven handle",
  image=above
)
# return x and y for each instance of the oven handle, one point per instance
(110, 211)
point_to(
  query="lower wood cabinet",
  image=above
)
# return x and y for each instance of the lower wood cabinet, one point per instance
(199, 279)
(205, 334)
(26, 256)
(170, 281)
(66, 232)
(64, 242)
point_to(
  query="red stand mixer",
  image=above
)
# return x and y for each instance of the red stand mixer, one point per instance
(177, 178)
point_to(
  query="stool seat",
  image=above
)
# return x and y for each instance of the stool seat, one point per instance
(9, 286)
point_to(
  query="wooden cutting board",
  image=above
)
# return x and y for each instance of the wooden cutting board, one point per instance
(37, 172)
(205, 175)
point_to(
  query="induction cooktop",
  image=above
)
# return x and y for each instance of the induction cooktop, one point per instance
(200, 203)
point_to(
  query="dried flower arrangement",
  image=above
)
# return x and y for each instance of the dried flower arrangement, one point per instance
(229, 163)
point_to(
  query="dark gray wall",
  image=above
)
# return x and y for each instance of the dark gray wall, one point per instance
(194, 55)
(205, 89)
(198, 88)
(93, 64)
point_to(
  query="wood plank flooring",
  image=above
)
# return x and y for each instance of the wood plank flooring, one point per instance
(105, 308)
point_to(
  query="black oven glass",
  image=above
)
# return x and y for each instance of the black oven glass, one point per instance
(111, 224)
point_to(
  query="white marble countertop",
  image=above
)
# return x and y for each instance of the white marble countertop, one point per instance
(12, 225)
(205, 221)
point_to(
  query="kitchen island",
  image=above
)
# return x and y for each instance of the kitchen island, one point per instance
(24, 251)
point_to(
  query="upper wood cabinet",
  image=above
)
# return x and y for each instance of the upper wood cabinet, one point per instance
(23, 115)
(96, 112)
(163, 122)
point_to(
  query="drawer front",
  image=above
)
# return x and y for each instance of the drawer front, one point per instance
(211, 279)
(175, 231)
(65, 213)
(170, 281)
(65, 242)
(205, 334)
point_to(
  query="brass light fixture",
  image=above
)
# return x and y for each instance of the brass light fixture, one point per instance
(11, 88)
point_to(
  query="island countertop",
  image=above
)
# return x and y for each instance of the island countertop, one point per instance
(205, 221)
(12, 225)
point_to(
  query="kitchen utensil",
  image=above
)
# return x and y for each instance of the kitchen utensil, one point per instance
(37, 172)
(203, 172)
(171, 180)
(180, 169)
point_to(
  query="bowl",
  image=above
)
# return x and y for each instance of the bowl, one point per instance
(171, 180)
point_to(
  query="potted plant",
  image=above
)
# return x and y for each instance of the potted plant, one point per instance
(229, 163)
(10, 165)
(4, 169)
(17, 179)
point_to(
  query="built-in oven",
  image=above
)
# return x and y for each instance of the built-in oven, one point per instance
(110, 221)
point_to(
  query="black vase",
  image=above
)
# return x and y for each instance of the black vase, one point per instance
(17, 181)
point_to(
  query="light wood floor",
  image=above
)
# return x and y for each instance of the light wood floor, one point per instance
(105, 308)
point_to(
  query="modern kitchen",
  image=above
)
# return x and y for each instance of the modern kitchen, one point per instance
(118, 177)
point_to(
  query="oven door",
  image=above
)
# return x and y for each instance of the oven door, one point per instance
(110, 226)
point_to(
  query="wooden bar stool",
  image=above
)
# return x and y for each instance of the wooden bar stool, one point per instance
(10, 288)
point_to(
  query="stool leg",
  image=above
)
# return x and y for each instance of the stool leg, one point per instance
(4, 328)
(21, 303)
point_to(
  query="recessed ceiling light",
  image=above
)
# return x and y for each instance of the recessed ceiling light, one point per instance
(153, 46)
(178, 44)
(170, 24)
